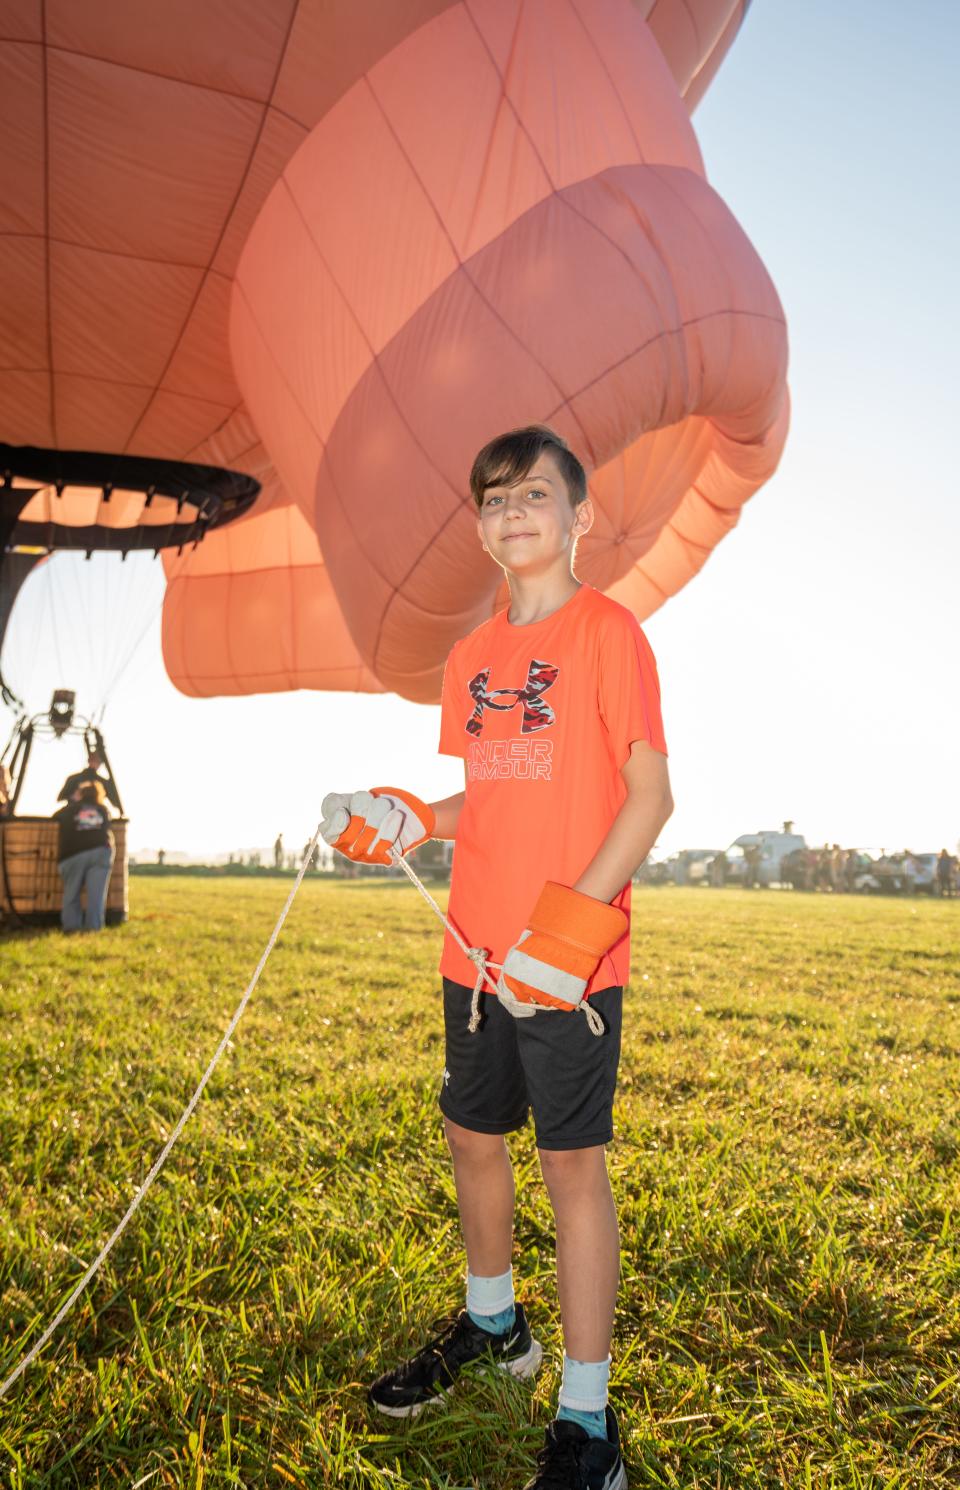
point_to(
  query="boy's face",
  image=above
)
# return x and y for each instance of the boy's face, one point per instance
(530, 527)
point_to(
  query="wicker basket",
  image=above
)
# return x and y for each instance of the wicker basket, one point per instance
(31, 890)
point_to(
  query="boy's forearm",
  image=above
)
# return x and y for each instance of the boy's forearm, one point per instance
(632, 835)
(447, 815)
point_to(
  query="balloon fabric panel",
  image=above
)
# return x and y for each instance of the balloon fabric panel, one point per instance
(337, 244)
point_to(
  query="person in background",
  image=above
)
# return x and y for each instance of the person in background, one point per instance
(278, 852)
(946, 866)
(836, 869)
(90, 773)
(822, 878)
(851, 869)
(85, 856)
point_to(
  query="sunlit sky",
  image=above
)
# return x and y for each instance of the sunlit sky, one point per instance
(809, 672)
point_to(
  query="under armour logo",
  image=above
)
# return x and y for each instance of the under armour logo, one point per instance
(536, 713)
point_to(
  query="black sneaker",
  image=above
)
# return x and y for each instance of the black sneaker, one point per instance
(571, 1460)
(429, 1375)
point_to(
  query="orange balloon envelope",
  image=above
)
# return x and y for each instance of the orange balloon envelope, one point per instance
(338, 246)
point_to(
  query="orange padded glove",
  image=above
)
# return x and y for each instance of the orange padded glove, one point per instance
(365, 826)
(552, 963)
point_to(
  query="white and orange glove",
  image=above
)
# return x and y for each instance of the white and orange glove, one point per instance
(552, 963)
(365, 826)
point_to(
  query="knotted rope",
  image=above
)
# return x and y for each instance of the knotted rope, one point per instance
(482, 963)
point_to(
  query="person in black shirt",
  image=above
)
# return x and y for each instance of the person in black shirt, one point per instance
(85, 855)
(91, 772)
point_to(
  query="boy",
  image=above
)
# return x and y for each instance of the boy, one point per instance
(554, 707)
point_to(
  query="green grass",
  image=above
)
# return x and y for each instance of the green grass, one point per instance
(786, 1167)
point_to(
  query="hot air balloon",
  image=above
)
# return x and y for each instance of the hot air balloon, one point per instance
(334, 247)
(61, 500)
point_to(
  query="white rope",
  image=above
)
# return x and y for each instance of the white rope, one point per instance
(134, 1205)
(476, 956)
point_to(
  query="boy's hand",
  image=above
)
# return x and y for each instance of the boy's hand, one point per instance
(566, 936)
(365, 826)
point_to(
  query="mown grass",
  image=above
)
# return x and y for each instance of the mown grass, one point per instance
(786, 1167)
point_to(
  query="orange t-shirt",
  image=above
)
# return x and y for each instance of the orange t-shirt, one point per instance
(544, 716)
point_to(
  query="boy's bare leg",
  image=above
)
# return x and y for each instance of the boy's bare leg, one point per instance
(485, 1195)
(588, 1248)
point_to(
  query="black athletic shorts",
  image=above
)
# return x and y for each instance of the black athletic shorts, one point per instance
(552, 1064)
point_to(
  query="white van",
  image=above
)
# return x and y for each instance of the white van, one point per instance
(773, 846)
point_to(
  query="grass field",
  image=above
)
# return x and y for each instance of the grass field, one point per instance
(787, 1167)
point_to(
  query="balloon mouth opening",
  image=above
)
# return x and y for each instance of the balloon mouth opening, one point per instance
(94, 501)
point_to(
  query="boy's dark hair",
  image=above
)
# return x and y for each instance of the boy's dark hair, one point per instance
(508, 458)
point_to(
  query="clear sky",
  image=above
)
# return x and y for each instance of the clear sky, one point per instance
(810, 671)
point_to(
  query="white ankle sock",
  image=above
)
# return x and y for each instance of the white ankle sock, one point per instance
(584, 1385)
(490, 1295)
